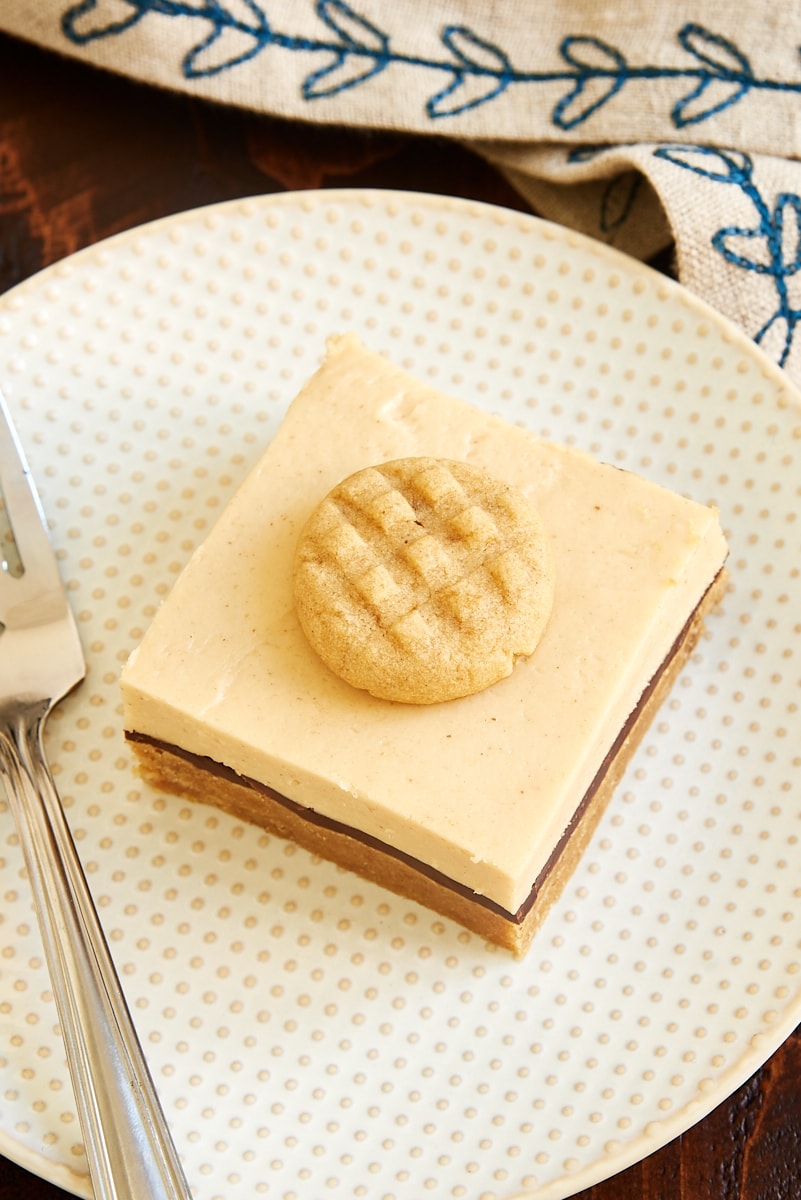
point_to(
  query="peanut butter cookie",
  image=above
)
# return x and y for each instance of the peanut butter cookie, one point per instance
(422, 580)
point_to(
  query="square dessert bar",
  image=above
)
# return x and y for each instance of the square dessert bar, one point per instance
(479, 807)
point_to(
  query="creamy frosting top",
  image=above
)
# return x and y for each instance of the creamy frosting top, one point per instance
(480, 788)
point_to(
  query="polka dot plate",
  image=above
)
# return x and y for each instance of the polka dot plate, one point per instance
(310, 1034)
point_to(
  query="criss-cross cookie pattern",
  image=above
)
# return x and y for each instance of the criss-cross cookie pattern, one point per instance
(409, 541)
(423, 561)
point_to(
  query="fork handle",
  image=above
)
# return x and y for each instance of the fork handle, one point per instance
(129, 1148)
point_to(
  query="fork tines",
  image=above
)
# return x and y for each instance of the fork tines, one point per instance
(27, 556)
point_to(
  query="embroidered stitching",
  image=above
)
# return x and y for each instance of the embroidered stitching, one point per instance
(619, 194)
(770, 236)
(354, 50)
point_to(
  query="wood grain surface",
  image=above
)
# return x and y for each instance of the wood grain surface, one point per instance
(83, 155)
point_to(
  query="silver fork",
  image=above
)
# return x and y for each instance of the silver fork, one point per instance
(130, 1151)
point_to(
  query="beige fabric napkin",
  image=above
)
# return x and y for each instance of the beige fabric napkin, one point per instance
(641, 122)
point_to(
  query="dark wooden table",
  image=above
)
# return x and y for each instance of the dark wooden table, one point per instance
(84, 155)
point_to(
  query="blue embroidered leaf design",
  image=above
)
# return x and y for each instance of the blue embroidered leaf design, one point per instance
(365, 52)
(232, 40)
(354, 30)
(474, 51)
(733, 242)
(618, 199)
(352, 49)
(98, 18)
(773, 246)
(729, 166)
(482, 72)
(709, 97)
(777, 334)
(788, 234)
(601, 73)
(715, 51)
(582, 154)
(726, 78)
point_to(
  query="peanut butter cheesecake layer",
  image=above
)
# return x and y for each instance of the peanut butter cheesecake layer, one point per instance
(171, 769)
(483, 803)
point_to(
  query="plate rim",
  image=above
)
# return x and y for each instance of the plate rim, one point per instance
(575, 238)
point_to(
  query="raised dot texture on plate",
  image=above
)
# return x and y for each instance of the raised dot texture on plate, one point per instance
(308, 1033)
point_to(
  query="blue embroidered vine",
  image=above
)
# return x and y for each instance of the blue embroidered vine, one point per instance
(770, 236)
(352, 50)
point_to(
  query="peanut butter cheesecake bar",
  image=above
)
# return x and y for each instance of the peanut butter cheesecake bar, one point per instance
(474, 799)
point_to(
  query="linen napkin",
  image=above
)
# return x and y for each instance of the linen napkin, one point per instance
(644, 123)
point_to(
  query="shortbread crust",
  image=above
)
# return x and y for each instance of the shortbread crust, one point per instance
(482, 789)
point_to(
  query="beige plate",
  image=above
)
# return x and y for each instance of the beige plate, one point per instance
(311, 1034)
